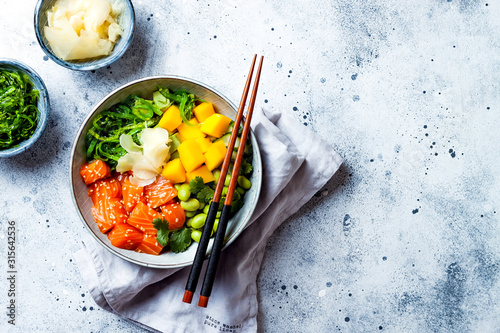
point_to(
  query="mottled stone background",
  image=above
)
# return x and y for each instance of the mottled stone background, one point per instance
(404, 238)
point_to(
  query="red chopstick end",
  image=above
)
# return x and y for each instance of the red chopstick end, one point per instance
(188, 296)
(203, 301)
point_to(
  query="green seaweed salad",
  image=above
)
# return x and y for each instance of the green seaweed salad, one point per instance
(18, 108)
(130, 117)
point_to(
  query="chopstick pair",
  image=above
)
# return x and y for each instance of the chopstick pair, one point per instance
(214, 206)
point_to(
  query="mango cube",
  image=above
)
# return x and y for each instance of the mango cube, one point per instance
(203, 111)
(215, 125)
(190, 155)
(202, 172)
(204, 144)
(215, 155)
(174, 171)
(191, 130)
(171, 119)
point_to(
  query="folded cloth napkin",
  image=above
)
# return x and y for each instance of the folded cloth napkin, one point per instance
(296, 164)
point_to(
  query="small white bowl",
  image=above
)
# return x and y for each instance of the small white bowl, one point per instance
(145, 88)
(126, 20)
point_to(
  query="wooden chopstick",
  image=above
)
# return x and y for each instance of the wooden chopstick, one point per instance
(194, 274)
(208, 282)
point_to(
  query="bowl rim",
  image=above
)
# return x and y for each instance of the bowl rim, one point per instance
(43, 111)
(256, 159)
(83, 66)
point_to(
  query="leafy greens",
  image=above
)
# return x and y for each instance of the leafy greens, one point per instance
(18, 108)
(131, 117)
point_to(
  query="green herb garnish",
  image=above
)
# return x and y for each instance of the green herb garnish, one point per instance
(196, 185)
(205, 195)
(18, 108)
(179, 240)
(246, 168)
(162, 236)
(203, 192)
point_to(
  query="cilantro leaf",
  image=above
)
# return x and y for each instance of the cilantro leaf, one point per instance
(246, 168)
(206, 194)
(180, 240)
(163, 232)
(196, 185)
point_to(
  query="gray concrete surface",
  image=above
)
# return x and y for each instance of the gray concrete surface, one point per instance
(404, 238)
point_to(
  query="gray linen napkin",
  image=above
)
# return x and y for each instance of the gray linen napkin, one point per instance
(296, 164)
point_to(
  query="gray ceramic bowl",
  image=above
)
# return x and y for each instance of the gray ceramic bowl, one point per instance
(126, 20)
(43, 104)
(145, 87)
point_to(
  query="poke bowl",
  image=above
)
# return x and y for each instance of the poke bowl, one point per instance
(84, 154)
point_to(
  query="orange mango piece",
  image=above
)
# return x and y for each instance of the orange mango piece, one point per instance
(202, 172)
(215, 125)
(190, 155)
(171, 119)
(174, 171)
(215, 155)
(204, 144)
(203, 111)
(191, 131)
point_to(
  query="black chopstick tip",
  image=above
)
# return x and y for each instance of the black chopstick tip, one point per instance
(203, 301)
(188, 296)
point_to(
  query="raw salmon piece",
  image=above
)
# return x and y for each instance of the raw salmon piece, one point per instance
(149, 245)
(104, 188)
(132, 194)
(94, 171)
(174, 214)
(124, 236)
(109, 212)
(142, 218)
(160, 192)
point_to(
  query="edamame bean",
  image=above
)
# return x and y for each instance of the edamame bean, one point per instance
(196, 235)
(227, 180)
(216, 174)
(244, 182)
(206, 209)
(177, 187)
(184, 192)
(199, 221)
(190, 205)
(224, 190)
(202, 205)
(188, 222)
(191, 214)
(216, 225)
(218, 214)
(240, 190)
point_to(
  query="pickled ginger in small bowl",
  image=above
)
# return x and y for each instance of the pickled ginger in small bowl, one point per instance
(84, 34)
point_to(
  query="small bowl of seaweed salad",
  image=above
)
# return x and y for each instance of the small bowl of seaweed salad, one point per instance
(24, 107)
